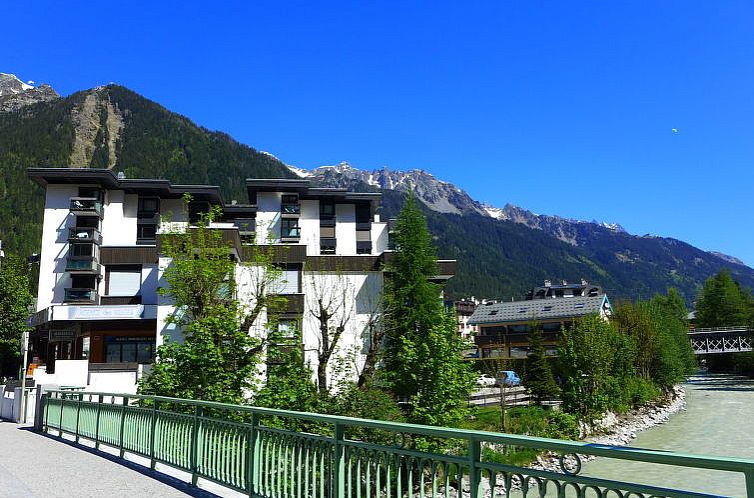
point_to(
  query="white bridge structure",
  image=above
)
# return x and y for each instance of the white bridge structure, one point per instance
(714, 340)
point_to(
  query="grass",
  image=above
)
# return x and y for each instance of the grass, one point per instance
(524, 420)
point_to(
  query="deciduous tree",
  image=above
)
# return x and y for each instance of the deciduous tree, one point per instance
(15, 300)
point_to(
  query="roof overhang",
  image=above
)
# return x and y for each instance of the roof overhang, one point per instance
(107, 179)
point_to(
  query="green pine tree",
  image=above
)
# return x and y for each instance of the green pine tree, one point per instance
(422, 363)
(538, 376)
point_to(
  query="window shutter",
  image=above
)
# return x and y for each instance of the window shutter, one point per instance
(124, 283)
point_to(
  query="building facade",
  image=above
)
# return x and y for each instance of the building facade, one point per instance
(99, 315)
(504, 327)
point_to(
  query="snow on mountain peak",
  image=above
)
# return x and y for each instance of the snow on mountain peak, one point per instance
(11, 85)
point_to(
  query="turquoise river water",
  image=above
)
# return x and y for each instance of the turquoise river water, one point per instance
(718, 420)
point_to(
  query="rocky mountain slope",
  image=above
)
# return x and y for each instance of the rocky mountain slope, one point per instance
(520, 248)
(15, 94)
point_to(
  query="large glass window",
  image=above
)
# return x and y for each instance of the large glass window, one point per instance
(289, 228)
(129, 350)
(82, 250)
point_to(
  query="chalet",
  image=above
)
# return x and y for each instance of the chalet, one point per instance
(504, 327)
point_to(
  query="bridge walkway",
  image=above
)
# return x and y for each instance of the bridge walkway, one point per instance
(33, 465)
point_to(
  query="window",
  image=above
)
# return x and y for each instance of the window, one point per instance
(123, 281)
(83, 282)
(363, 213)
(326, 210)
(287, 329)
(547, 308)
(289, 229)
(363, 247)
(327, 245)
(87, 222)
(246, 228)
(81, 250)
(129, 350)
(196, 209)
(578, 305)
(146, 232)
(148, 207)
(289, 282)
(289, 204)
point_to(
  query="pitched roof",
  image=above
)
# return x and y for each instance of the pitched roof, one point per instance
(537, 309)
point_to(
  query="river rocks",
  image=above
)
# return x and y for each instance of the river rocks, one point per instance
(619, 430)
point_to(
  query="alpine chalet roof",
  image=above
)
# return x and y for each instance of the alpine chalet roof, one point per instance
(538, 309)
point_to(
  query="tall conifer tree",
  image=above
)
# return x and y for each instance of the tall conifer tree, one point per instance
(422, 363)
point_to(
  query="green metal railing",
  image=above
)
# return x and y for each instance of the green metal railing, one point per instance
(283, 454)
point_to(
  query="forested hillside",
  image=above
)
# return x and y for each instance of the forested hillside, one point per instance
(502, 259)
(117, 128)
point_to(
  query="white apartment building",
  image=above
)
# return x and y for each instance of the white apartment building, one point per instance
(99, 316)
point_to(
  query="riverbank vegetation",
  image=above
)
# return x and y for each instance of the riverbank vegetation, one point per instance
(724, 302)
(627, 362)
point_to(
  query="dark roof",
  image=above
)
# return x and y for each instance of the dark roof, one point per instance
(538, 309)
(306, 190)
(108, 179)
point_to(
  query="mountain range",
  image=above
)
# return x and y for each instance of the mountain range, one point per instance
(501, 252)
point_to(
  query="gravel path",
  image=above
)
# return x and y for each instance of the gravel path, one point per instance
(35, 465)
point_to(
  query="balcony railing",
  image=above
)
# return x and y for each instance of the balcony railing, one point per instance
(74, 295)
(290, 208)
(84, 235)
(290, 233)
(86, 206)
(88, 265)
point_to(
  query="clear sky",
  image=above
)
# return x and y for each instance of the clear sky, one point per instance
(563, 108)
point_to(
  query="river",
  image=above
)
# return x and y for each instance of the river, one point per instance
(718, 420)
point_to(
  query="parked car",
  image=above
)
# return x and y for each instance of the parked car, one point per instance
(508, 378)
(486, 380)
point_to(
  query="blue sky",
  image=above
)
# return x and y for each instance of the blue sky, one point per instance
(560, 108)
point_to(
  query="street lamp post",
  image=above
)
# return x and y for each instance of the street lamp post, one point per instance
(25, 350)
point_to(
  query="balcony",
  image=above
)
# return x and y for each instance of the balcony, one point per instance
(83, 296)
(290, 209)
(86, 265)
(86, 206)
(84, 235)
